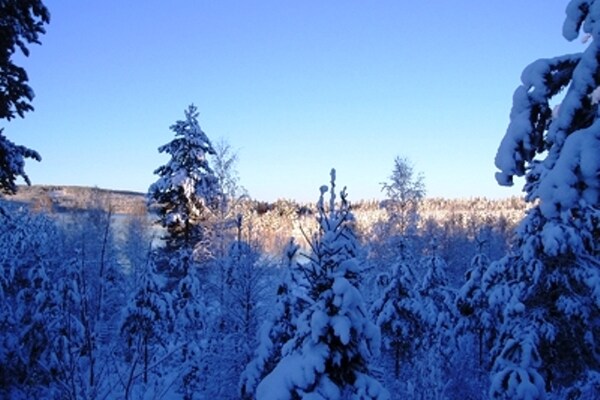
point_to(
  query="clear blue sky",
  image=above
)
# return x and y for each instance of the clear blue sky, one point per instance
(296, 87)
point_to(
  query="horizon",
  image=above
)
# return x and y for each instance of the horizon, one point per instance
(352, 201)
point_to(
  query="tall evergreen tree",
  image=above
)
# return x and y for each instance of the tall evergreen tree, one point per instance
(329, 355)
(548, 289)
(21, 23)
(186, 187)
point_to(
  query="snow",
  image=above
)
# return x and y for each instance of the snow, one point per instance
(341, 327)
(13, 163)
(582, 14)
(318, 323)
(592, 280)
(517, 377)
(577, 162)
(517, 133)
(574, 18)
(297, 370)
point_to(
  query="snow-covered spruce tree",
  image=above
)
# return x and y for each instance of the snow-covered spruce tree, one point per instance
(21, 23)
(438, 298)
(278, 329)
(145, 328)
(16, 250)
(548, 289)
(30, 261)
(399, 315)
(476, 327)
(190, 329)
(69, 356)
(34, 317)
(329, 355)
(472, 303)
(185, 189)
(437, 308)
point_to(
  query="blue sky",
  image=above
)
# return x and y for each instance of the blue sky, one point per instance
(296, 87)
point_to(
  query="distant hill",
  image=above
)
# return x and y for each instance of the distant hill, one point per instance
(73, 198)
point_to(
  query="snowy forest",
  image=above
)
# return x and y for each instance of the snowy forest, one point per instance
(204, 293)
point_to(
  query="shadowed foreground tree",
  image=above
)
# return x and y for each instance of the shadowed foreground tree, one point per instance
(21, 24)
(547, 291)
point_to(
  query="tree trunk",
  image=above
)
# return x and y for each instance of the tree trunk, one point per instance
(145, 359)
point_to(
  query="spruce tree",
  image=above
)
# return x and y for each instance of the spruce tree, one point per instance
(190, 315)
(473, 305)
(437, 307)
(330, 353)
(30, 261)
(21, 23)
(186, 188)
(145, 327)
(400, 316)
(547, 290)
